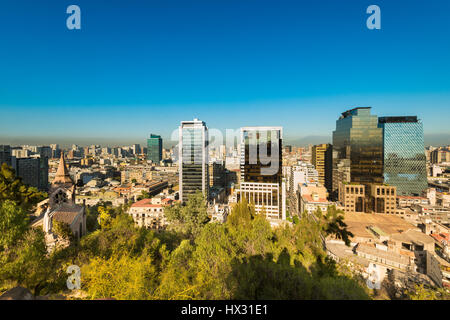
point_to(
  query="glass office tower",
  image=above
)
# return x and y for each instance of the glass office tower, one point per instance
(357, 149)
(261, 168)
(154, 148)
(404, 154)
(193, 158)
(259, 164)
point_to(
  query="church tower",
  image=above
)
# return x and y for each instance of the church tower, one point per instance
(62, 189)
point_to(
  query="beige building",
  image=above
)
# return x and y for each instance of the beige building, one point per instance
(383, 198)
(322, 161)
(352, 197)
(149, 213)
(439, 156)
(378, 199)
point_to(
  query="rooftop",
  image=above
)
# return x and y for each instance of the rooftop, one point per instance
(358, 224)
(67, 213)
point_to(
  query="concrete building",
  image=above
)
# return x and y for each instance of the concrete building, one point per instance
(33, 171)
(149, 213)
(5, 155)
(312, 198)
(439, 156)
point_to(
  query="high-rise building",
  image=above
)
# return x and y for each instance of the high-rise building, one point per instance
(322, 159)
(404, 161)
(46, 152)
(136, 148)
(261, 170)
(193, 158)
(154, 148)
(33, 171)
(439, 155)
(5, 155)
(357, 149)
(56, 151)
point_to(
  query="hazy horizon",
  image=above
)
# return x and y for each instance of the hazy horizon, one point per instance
(430, 140)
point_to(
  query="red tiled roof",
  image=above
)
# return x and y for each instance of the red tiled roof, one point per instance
(145, 203)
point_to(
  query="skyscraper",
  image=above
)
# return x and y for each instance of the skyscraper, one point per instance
(154, 148)
(5, 155)
(357, 149)
(322, 159)
(33, 171)
(261, 167)
(404, 161)
(193, 158)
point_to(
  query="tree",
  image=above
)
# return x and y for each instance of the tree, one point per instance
(27, 263)
(63, 230)
(333, 224)
(12, 188)
(144, 195)
(13, 223)
(190, 218)
(422, 293)
(121, 277)
(105, 217)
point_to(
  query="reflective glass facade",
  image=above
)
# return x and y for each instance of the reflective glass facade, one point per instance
(357, 148)
(404, 155)
(261, 169)
(193, 158)
(259, 163)
(154, 148)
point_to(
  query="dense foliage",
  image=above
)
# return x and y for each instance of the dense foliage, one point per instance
(243, 258)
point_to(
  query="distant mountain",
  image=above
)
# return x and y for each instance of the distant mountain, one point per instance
(305, 141)
(442, 139)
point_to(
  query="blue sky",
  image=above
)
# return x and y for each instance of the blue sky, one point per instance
(137, 67)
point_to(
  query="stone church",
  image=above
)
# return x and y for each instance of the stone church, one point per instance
(60, 206)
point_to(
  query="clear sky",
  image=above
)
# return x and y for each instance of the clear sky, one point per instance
(137, 67)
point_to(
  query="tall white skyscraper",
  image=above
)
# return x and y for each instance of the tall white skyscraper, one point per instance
(193, 158)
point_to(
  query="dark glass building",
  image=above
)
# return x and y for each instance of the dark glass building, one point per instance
(357, 149)
(154, 148)
(257, 145)
(261, 168)
(404, 154)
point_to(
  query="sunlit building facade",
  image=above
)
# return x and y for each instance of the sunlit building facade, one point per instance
(322, 160)
(357, 149)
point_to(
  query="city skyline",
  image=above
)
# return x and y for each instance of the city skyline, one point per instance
(230, 63)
